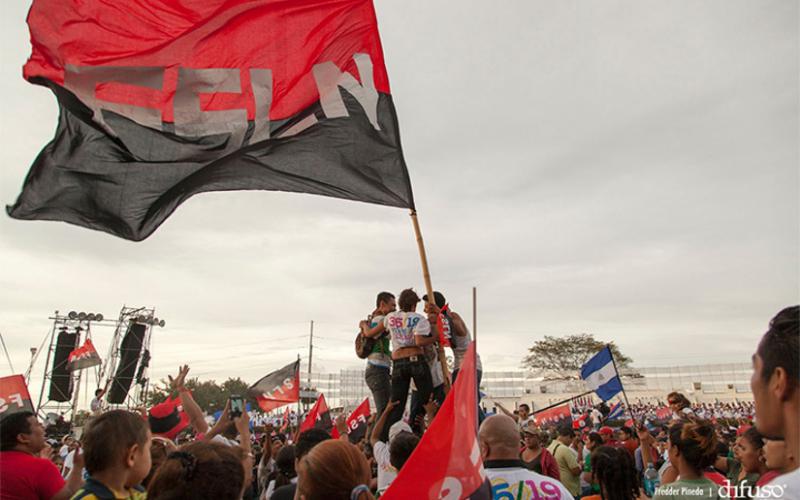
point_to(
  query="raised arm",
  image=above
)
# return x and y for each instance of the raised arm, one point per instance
(378, 429)
(190, 406)
(223, 420)
(504, 410)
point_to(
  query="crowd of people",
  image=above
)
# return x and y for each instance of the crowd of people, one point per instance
(172, 452)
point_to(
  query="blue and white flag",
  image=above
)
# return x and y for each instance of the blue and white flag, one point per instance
(616, 412)
(601, 375)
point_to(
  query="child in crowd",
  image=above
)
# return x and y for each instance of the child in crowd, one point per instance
(116, 448)
(200, 470)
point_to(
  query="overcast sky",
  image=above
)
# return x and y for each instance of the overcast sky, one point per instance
(623, 168)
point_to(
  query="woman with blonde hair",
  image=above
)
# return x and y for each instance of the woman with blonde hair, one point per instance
(334, 470)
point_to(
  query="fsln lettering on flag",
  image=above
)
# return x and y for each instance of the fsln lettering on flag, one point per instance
(277, 388)
(14, 396)
(159, 104)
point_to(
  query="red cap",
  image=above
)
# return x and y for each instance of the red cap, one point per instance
(606, 430)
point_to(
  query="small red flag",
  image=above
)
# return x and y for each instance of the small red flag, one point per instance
(553, 415)
(84, 356)
(14, 395)
(319, 417)
(663, 413)
(285, 423)
(447, 461)
(443, 325)
(357, 422)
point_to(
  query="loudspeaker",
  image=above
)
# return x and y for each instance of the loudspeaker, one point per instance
(60, 377)
(129, 352)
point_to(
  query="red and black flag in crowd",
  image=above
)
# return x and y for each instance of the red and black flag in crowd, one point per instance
(559, 415)
(84, 356)
(285, 420)
(278, 388)
(357, 422)
(319, 417)
(14, 396)
(447, 461)
(162, 100)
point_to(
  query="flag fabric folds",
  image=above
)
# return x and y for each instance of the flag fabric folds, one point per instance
(14, 395)
(84, 356)
(560, 415)
(447, 461)
(617, 410)
(159, 103)
(601, 375)
(278, 388)
(319, 417)
(664, 413)
(357, 422)
(285, 420)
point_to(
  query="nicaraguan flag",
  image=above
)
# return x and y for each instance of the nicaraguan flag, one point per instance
(601, 375)
(616, 411)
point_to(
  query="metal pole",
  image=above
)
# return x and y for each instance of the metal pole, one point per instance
(300, 398)
(78, 379)
(6, 351)
(475, 316)
(426, 275)
(624, 394)
(310, 351)
(561, 402)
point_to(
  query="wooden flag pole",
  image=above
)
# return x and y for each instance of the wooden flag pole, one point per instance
(426, 275)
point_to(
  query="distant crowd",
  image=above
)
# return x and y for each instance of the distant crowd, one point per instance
(170, 451)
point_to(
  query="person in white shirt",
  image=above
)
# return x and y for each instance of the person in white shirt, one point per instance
(776, 390)
(498, 438)
(391, 456)
(410, 332)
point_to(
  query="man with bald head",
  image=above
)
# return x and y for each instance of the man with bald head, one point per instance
(499, 442)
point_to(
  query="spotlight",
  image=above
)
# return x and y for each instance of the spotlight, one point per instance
(98, 317)
(162, 323)
(81, 316)
(91, 317)
(72, 315)
(154, 321)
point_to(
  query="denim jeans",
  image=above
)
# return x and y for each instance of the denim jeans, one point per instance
(380, 384)
(403, 370)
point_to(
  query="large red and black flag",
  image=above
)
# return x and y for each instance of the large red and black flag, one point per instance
(161, 100)
(84, 356)
(278, 388)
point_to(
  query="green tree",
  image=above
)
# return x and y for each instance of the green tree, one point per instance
(209, 395)
(562, 357)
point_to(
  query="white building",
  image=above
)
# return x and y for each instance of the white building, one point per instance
(700, 383)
